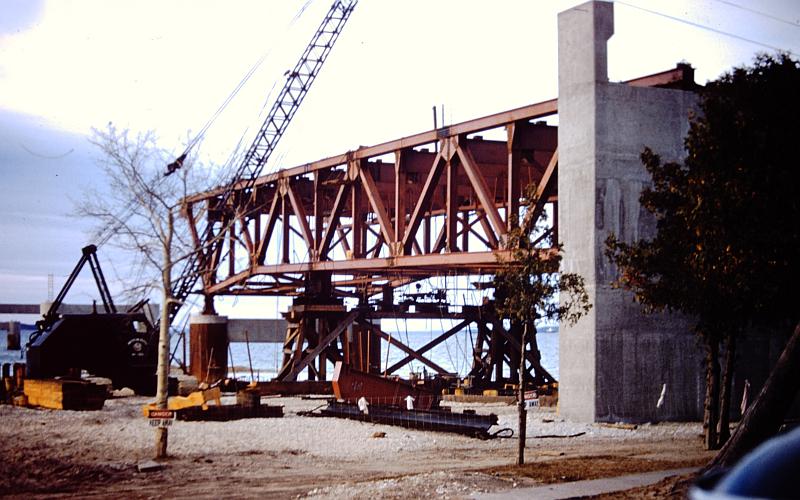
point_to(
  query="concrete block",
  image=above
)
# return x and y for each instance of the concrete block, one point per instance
(150, 466)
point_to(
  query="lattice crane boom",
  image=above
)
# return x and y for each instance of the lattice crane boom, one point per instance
(298, 83)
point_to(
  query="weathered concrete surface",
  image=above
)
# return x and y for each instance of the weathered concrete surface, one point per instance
(615, 362)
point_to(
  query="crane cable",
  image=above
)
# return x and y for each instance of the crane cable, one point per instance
(178, 162)
(104, 236)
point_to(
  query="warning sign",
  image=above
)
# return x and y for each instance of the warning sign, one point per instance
(161, 418)
(162, 414)
(531, 399)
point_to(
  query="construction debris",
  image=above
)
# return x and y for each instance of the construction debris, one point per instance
(468, 423)
(149, 466)
(478, 398)
(195, 399)
(248, 405)
(552, 436)
(229, 412)
(619, 425)
(195, 407)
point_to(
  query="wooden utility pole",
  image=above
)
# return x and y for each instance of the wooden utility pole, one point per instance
(523, 413)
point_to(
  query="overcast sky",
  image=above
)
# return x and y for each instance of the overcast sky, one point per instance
(67, 66)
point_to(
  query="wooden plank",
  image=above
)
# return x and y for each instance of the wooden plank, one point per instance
(64, 394)
(478, 398)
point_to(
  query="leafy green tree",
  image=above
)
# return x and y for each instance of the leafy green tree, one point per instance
(530, 287)
(727, 221)
(529, 283)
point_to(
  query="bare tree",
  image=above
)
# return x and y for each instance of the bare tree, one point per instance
(531, 285)
(138, 212)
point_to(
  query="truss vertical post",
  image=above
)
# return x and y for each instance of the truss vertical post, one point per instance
(512, 177)
(451, 206)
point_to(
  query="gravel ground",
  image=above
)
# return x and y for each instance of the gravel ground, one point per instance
(96, 453)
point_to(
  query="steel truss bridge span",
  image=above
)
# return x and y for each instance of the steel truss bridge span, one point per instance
(364, 222)
(434, 203)
(395, 211)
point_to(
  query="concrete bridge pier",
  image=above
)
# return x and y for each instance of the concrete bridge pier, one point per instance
(615, 362)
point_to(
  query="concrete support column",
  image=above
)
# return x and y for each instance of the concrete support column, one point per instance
(208, 347)
(615, 361)
(582, 35)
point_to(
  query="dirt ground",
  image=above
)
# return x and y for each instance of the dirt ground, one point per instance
(670, 488)
(49, 453)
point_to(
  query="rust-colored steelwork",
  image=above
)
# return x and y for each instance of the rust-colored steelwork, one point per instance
(351, 385)
(209, 351)
(466, 423)
(359, 217)
(365, 222)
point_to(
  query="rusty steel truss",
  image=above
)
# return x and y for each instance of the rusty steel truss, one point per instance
(364, 222)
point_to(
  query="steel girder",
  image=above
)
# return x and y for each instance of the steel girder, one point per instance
(425, 213)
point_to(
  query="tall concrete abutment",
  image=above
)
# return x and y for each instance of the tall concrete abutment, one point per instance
(614, 362)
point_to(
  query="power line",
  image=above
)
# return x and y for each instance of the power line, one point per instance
(708, 28)
(795, 24)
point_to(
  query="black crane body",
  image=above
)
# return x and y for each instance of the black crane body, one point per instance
(110, 344)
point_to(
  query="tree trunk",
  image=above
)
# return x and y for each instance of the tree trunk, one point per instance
(765, 416)
(723, 425)
(523, 414)
(162, 371)
(711, 404)
(162, 374)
